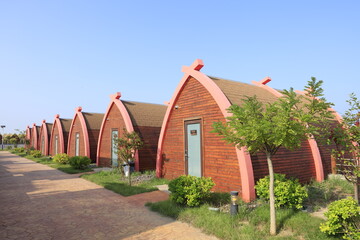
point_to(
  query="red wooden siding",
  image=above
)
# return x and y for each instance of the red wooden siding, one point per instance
(76, 129)
(219, 158)
(114, 120)
(298, 164)
(147, 154)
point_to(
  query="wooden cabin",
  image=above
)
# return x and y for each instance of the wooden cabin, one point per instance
(35, 130)
(84, 133)
(59, 135)
(44, 138)
(187, 145)
(28, 136)
(143, 118)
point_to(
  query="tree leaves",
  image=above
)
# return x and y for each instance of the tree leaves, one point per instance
(127, 145)
(285, 122)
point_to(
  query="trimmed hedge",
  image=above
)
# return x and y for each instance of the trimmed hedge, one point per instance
(35, 153)
(61, 158)
(343, 219)
(190, 190)
(288, 192)
(80, 162)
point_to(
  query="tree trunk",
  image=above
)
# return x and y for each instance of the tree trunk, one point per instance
(271, 195)
(356, 190)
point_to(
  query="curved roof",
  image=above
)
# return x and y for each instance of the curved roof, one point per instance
(45, 130)
(236, 91)
(66, 124)
(28, 132)
(87, 121)
(48, 128)
(145, 114)
(35, 130)
(224, 102)
(63, 127)
(93, 120)
(134, 114)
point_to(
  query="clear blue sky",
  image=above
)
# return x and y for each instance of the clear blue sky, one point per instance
(57, 55)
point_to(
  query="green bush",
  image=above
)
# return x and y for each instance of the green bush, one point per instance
(61, 158)
(343, 219)
(190, 190)
(35, 153)
(19, 150)
(79, 162)
(288, 192)
(8, 147)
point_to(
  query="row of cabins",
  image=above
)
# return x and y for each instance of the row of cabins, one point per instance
(178, 138)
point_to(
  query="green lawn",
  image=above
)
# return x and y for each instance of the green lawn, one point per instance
(47, 161)
(114, 181)
(253, 222)
(248, 224)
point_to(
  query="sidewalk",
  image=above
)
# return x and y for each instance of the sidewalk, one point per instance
(39, 202)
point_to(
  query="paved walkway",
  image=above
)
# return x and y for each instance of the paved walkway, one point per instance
(39, 202)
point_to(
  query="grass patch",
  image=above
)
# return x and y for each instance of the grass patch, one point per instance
(332, 189)
(250, 223)
(114, 181)
(166, 208)
(66, 168)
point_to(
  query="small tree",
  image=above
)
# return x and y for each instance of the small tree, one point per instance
(127, 146)
(283, 123)
(7, 138)
(347, 140)
(21, 135)
(14, 141)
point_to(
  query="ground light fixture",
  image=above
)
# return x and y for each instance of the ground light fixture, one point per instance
(2, 139)
(234, 207)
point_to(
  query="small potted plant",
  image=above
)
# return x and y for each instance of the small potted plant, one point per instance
(127, 146)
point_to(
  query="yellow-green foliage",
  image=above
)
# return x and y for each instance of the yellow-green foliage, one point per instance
(288, 192)
(190, 190)
(343, 219)
(19, 150)
(35, 153)
(61, 158)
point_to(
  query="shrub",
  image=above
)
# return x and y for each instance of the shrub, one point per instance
(19, 150)
(288, 192)
(190, 190)
(8, 147)
(35, 153)
(343, 219)
(61, 158)
(79, 162)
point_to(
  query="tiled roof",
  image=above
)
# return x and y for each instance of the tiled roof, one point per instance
(145, 114)
(236, 91)
(66, 124)
(48, 128)
(93, 120)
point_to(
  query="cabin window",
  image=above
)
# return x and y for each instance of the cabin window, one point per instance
(56, 144)
(114, 155)
(77, 144)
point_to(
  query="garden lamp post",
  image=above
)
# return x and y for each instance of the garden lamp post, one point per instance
(234, 206)
(2, 139)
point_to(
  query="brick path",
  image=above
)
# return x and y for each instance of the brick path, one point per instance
(39, 202)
